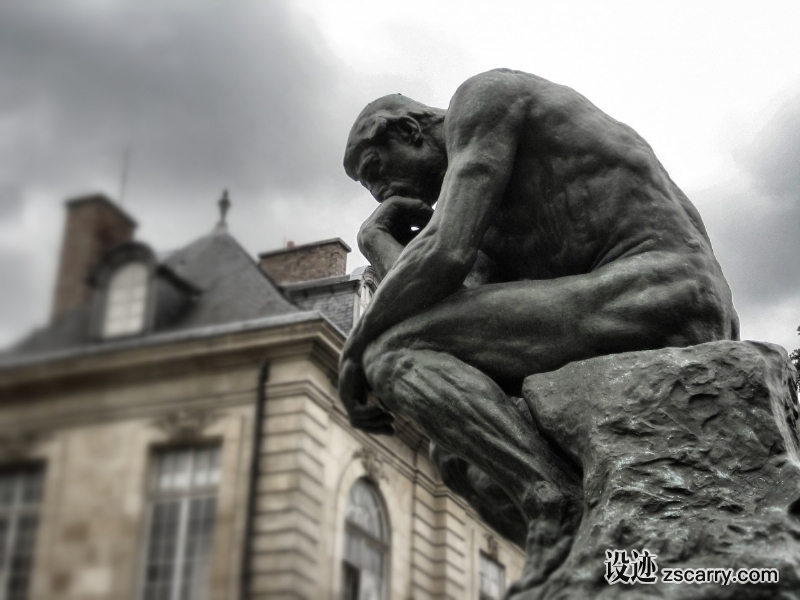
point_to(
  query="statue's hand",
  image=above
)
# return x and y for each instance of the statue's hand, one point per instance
(397, 216)
(354, 390)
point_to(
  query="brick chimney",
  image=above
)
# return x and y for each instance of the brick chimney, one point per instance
(94, 226)
(309, 261)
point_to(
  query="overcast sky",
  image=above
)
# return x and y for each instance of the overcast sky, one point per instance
(258, 97)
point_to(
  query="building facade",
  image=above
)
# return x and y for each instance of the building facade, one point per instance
(175, 433)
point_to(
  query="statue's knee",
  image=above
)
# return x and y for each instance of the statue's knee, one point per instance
(373, 359)
(708, 314)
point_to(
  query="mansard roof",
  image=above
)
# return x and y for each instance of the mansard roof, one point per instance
(232, 286)
(222, 284)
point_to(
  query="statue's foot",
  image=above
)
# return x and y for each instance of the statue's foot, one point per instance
(542, 560)
(548, 543)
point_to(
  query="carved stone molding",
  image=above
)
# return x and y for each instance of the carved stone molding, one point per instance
(492, 546)
(18, 445)
(186, 424)
(372, 462)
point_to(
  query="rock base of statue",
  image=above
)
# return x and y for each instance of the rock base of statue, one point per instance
(691, 454)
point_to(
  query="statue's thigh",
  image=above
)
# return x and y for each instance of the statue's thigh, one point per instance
(512, 330)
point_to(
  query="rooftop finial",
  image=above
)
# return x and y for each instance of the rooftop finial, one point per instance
(224, 206)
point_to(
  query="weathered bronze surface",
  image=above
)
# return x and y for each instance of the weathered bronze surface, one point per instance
(557, 236)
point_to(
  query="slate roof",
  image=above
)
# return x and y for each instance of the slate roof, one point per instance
(13, 360)
(68, 331)
(230, 288)
(333, 296)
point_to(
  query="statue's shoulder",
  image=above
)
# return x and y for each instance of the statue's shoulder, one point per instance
(490, 93)
(497, 81)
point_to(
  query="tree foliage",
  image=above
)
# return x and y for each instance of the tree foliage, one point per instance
(794, 356)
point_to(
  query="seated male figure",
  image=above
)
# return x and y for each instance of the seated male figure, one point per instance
(556, 236)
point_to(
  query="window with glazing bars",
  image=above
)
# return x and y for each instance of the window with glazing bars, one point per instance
(183, 504)
(493, 576)
(20, 497)
(362, 302)
(365, 545)
(126, 301)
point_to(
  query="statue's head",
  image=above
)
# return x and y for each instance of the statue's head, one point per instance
(396, 147)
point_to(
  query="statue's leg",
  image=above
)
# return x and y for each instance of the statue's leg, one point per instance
(444, 368)
(488, 499)
(512, 330)
(467, 413)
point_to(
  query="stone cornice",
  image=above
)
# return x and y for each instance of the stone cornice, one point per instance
(212, 349)
(86, 414)
(314, 336)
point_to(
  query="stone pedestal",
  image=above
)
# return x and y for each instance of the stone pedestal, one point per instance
(690, 453)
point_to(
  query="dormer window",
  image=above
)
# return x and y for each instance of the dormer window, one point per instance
(367, 284)
(363, 299)
(126, 300)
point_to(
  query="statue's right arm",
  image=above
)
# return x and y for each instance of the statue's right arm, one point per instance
(485, 118)
(387, 231)
(381, 250)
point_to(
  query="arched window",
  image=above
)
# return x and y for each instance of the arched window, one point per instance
(126, 300)
(366, 545)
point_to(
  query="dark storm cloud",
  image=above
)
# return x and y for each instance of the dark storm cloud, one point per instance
(759, 251)
(20, 283)
(205, 94)
(201, 92)
(756, 224)
(774, 160)
(10, 201)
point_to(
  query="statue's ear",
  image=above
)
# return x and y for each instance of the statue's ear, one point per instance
(376, 128)
(409, 130)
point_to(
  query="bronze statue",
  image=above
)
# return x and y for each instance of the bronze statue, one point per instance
(518, 231)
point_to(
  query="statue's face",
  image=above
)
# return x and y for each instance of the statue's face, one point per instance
(399, 167)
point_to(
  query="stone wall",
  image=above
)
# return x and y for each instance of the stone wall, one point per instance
(96, 422)
(310, 460)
